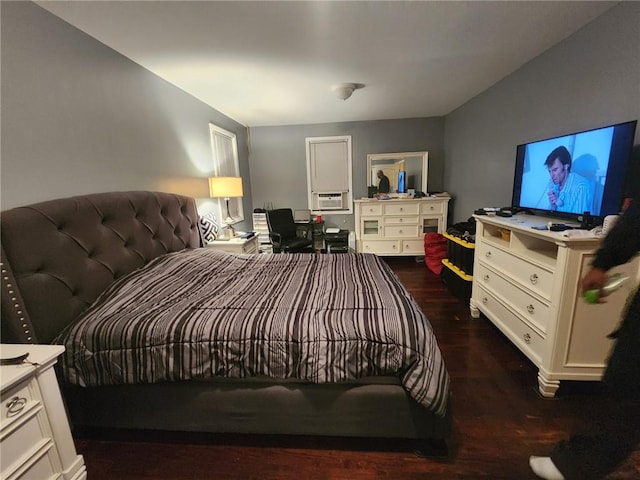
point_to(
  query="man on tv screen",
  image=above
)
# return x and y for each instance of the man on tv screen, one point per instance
(567, 191)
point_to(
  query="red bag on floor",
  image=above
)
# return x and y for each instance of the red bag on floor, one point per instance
(435, 250)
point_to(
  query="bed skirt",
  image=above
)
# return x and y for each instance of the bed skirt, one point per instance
(260, 407)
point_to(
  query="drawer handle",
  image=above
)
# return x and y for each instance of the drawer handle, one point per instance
(394, 247)
(401, 209)
(488, 254)
(527, 338)
(15, 406)
(486, 277)
(401, 231)
(401, 220)
(485, 300)
(534, 278)
(530, 308)
(431, 207)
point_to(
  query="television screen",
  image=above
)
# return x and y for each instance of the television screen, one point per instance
(402, 187)
(573, 174)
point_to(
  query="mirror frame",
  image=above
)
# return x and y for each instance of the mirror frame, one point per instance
(374, 160)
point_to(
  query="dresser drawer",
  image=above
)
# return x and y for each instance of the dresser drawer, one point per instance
(531, 276)
(413, 246)
(535, 311)
(381, 246)
(530, 342)
(429, 208)
(371, 210)
(401, 209)
(401, 220)
(406, 231)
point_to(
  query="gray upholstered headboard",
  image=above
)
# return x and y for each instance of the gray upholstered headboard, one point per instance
(59, 255)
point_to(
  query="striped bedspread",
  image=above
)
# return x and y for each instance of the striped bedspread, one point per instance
(202, 313)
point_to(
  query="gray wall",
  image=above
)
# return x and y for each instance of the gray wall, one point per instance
(590, 80)
(78, 117)
(278, 159)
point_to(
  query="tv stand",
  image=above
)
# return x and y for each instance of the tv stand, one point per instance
(527, 283)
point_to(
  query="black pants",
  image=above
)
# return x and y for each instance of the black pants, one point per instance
(613, 433)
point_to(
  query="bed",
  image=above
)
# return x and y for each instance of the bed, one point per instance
(162, 334)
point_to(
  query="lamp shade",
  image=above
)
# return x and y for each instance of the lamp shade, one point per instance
(225, 187)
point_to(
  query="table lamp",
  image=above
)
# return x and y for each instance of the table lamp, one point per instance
(226, 187)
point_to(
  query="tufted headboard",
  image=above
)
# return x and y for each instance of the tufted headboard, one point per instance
(59, 255)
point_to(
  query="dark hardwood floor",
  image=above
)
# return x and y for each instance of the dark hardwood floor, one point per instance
(499, 420)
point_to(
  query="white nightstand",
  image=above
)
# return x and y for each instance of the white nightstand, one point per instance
(236, 245)
(35, 437)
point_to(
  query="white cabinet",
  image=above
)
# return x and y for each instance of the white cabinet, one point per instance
(527, 282)
(397, 226)
(35, 438)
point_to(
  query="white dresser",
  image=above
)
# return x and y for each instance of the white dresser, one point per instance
(397, 226)
(35, 438)
(527, 282)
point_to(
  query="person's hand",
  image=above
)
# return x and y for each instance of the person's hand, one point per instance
(553, 199)
(595, 279)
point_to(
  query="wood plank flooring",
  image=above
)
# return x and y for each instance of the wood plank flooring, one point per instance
(499, 420)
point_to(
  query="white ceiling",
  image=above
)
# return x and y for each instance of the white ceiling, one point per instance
(273, 63)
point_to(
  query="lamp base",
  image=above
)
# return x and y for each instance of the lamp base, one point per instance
(229, 231)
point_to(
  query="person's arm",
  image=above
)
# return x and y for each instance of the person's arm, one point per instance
(623, 241)
(620, 244)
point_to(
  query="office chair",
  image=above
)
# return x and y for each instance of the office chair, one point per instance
(282, 232)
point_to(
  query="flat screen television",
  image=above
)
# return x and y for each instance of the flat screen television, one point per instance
(569, 175)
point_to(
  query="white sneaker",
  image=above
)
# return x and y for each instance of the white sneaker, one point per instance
(545, 468)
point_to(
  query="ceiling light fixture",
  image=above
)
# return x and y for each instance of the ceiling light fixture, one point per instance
(344, 90)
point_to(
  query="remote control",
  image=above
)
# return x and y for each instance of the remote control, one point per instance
(559, 227)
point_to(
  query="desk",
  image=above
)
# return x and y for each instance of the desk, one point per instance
(313, 231)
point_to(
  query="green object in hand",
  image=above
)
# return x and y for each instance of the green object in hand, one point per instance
(613, 283)
(592, 296)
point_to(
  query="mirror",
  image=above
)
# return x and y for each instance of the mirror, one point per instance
(414, 164)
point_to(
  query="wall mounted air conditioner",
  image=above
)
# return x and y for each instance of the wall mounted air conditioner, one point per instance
(330, 201)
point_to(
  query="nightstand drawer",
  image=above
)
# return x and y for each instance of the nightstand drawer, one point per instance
(41, 466)
(16, 403)
(22, 443)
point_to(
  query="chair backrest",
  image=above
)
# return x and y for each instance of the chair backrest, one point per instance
(281, 221)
